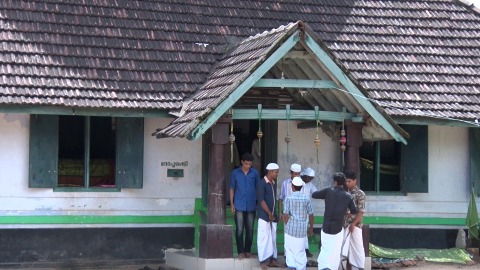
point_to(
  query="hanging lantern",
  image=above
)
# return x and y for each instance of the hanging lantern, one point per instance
(343, 140)
(231, 139)
(288, 138)
(259, 132)
(317, 139)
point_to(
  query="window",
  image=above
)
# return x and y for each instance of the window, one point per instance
(85, 152)
(380, 166)
(86, 144)
(389, 166)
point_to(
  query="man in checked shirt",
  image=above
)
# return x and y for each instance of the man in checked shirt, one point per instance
(296, 208)
(353, 247)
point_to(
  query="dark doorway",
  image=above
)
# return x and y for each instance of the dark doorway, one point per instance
(245, 132)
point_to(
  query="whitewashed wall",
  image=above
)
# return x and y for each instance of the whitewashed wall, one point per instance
(448, 179)
(159, 196)
(448, 194)
(302, 150)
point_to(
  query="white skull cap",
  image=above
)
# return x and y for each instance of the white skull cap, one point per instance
(272, 166)
(297, 181)
(309, 172)
(296, 167)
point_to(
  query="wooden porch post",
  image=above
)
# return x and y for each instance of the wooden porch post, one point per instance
(217, 174)
(352, 163)
(216, 236)
(352, 153)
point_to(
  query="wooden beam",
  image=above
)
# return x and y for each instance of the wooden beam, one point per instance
(293, 83)
(435, 121)
(271, 114)
(244, 86)
(298, 55)
(56, 110)
(352, 88)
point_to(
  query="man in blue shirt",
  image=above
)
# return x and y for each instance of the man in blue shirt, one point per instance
(243, 203)
(297, 207)
(267, 218)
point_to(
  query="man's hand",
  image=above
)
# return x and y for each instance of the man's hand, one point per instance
(351, 227)
(271, 217)
(310, 231)
(280, 218)
(232, 208)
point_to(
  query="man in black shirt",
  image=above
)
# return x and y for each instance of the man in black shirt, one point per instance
(337, 201)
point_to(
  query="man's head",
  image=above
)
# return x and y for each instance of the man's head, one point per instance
(350, 180)
(307, 175)
(339, 178)
(295, 170)
(272, 171)
(297, 184)
(247, 160)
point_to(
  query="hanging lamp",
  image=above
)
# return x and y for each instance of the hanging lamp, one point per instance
(343, 139)
(231, 139)
(317, 139)
(259, 132)
(288, 138)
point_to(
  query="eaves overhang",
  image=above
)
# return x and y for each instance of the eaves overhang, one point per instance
(209, 110)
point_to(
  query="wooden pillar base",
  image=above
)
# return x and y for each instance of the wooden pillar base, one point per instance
(216, 241)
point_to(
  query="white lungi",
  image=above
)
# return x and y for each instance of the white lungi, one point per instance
(306, 237)
(353, 248)
(266, 240)
(329, 256)
(295, 252)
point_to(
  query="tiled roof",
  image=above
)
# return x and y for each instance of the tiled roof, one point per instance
(229, 73)
(414, 57)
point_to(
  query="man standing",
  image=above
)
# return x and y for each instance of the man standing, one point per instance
(353, 247)
(267, 218)
(286, 189)
(297, 210)
(243, 203)
(308, 189)
(337, 202)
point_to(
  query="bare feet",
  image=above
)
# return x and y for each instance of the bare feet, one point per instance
(275, 264)
(263, 266)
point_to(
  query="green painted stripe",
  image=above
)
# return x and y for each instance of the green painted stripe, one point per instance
(414, 221)
(96, 219)
(197, 220)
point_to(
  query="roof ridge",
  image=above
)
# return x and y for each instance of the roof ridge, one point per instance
(472, 4)
(272, 31)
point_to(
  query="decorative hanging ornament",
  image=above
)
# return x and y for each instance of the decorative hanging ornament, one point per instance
(317, 139)
(259, 132)
(231, 139)
(343, 139)
(288, 138)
